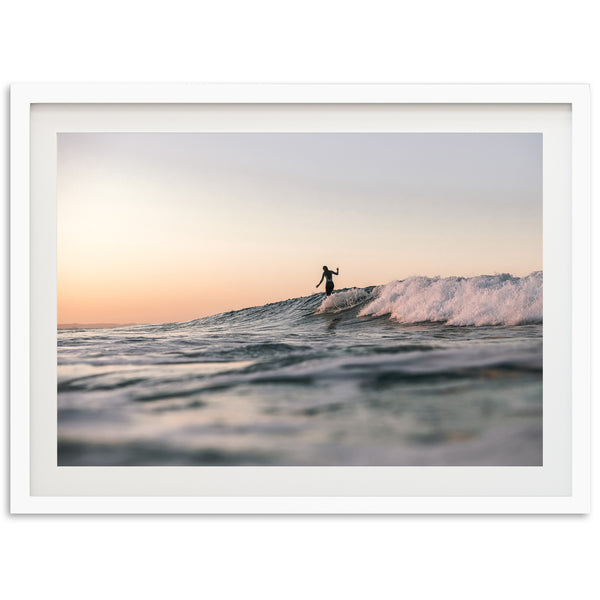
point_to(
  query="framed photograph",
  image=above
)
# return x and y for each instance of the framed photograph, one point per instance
(300, 298)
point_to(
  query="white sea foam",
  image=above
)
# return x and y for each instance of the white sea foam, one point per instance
(343, 300)
(482, 300)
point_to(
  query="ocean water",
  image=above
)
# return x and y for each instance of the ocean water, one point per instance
(424, 371)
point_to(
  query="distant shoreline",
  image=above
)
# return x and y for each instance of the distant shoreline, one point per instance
(93, 325)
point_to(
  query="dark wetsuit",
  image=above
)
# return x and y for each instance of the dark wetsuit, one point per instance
(328, 280)
(329, 285)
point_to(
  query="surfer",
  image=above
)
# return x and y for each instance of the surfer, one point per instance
(328, 275)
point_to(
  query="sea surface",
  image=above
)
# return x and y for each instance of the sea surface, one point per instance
(423, 371)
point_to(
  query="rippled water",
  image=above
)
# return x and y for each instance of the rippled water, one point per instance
(303, 382)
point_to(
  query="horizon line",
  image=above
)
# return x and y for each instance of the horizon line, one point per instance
(112, 325)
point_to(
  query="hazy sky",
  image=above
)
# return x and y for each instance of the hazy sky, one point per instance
(171, 227)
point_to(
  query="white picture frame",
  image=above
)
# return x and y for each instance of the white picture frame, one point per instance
(560, 485)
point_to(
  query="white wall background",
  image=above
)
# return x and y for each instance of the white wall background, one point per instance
(512, 557)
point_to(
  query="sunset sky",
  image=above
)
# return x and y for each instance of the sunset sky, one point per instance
(156, 227)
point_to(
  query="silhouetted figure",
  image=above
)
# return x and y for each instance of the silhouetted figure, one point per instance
(328, 275)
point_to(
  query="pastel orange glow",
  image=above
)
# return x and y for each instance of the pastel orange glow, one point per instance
(171, 227)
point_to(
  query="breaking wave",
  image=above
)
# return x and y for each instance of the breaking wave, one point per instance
(343, 300)
(482, 300)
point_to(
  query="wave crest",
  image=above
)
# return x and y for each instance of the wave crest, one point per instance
(482, 300)
(343, 300)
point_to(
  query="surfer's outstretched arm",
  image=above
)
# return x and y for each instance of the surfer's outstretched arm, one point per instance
(320, 282)
(337, 271)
